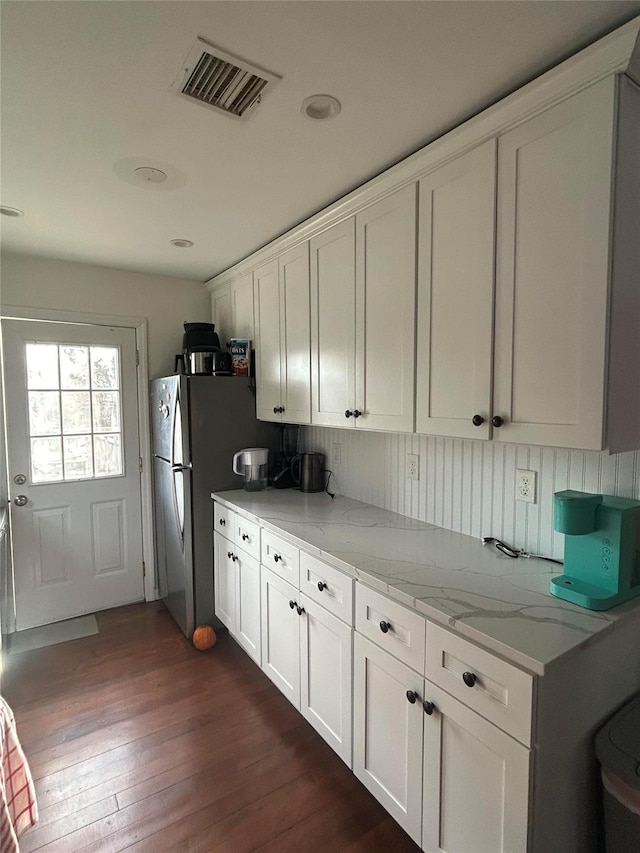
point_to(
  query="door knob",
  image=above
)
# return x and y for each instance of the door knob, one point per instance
(21, 500)
(20, 479)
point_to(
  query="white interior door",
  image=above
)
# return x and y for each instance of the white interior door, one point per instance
(73, 461)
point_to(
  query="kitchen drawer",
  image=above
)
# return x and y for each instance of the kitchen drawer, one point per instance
(247, 536)
(223, 520)
(497, 690)
(281, 557)
(391, 626)
(329, 587)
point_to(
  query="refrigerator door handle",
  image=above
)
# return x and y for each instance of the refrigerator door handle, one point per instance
(182, 467)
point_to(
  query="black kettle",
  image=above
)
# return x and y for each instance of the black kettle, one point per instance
(307, 470)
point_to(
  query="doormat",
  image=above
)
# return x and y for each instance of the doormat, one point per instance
(51, 635)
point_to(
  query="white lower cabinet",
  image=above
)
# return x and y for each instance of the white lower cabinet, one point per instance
(224, 578)
(237, 594)
(475, 791)
(387, 733)
(281, 635)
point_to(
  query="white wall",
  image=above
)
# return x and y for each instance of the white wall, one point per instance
(33, 282)
(469, 486)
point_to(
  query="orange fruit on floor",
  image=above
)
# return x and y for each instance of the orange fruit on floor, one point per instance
(204, 637)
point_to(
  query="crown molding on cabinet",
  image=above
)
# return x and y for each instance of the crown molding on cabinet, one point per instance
(616, 53)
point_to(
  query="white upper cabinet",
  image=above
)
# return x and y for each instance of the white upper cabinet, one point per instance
(222, 313)
(363, 277)
(282, 346)
(333, 310)
(455, 296)
(232, 310)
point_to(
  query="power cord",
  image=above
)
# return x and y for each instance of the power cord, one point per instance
(508, 551)
(326, 488)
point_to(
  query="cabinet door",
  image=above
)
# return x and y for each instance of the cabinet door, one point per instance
(222, 313)
(476, 782)
(281, 635)
(333, 344)
(387, 733)
(455, 295)
(325, 676)
(554, 179)
(267, 313)
(242, 308)
(224, 577)
(385, 312)
(295, 368)
(248, 606)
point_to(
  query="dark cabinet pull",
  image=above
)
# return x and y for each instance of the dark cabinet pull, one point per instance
(245, 536)
(278, 410)
(356, 413)
(293, 604)
(497, 421)
(385, 626)
(276, 557)
(412, 696)
(469, 678)
(229, 554)
(348, 413)
(477, 420)
(275, 410)
(281, 410)
(222, 521)
(321, 585)
(428, 707)
(300, 610)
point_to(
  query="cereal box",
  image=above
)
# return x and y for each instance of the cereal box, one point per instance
(240, 349)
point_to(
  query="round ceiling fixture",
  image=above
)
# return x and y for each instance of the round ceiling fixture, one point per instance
(320, 107)
(10, 211)
(180, 243)
(149, 175)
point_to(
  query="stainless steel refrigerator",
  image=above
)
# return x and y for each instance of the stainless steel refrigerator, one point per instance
(199, 422)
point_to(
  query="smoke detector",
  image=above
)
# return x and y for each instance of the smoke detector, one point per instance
(216, 79)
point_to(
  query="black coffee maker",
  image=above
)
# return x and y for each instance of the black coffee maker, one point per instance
(201, 353)
(282, 478)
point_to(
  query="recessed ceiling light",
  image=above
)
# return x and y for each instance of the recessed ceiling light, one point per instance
(149, 175)
(182, 244)
(10, 211)
(320, 107)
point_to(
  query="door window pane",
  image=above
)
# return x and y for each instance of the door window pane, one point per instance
(46, 460)
(104, 367)
(76, 412)
(44, 413)
(106, 411)
(42, 366)
(75, 422)
(108, 455)
(74, 367)
(78, 458)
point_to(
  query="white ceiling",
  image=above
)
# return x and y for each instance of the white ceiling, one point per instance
(86, 86)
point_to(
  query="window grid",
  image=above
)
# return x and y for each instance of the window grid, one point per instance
(61, 435)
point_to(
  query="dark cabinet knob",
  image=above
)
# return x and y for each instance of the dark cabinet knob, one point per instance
(469, 679)
(293, 604)
(356, 413)
(497, 421)
(428, 707)
(300, 610)
(477, 420)
(222, 521)
(385, 626)
(281, 410)
(321, 585)
(276, 557)
(229, 554)
(245, 536)
(412, 696)
(275, 410)
(234, 557)
(348, 413)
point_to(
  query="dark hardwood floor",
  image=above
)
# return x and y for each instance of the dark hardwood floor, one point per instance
(139, 742)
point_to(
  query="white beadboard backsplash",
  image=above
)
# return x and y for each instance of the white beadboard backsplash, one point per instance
(469, 486)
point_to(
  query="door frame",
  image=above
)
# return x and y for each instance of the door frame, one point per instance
(139, 325)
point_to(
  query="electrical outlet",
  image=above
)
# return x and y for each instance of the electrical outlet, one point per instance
(526, 486)
(336, 453)
(413, 466)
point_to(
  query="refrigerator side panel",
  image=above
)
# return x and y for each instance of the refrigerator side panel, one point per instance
(162, 400)
(222, 421)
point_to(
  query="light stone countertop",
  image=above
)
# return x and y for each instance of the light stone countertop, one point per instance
(502, 603)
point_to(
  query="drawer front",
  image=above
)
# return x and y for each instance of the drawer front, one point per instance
(223, 521)
(281, 557)
(391, 626)
(498, 691)
(329, 587)
(247, 536)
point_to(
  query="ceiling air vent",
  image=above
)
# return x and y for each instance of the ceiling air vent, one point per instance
(223, 82)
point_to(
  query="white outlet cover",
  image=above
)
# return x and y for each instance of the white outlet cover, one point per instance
(526, 483)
